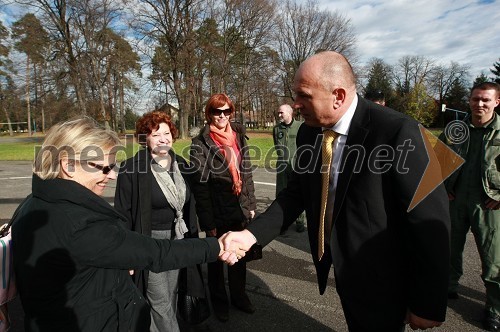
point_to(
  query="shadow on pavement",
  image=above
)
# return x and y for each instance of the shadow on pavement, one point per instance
(469, 306)
(272, 313)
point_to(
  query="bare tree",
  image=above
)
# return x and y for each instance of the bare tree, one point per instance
(170, 27)
(410, 71)
(58, 15)
(246, 30)
(6, 83)
(304, 30)
(442, 78)
(92, 19)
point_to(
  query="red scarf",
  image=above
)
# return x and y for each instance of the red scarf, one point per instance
(226, 141)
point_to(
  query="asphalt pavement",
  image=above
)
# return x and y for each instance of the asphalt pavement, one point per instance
(282, 286)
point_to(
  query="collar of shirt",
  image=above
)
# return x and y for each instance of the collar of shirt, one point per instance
(342, 126)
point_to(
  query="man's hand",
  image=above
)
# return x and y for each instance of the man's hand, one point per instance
(231, 254)
(416, 322)
(491, 204)
(234, 245)
(238, 240)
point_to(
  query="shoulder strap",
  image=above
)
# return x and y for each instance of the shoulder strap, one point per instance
(18, 210)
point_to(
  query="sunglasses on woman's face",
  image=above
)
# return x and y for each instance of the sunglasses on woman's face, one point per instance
(104, 169)
(218, 112)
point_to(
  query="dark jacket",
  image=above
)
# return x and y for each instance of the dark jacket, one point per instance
(386, 259)
(133, 200)
(285, 143)
(72, 253)
(216, 205)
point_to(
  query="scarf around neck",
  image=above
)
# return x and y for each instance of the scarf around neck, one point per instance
(175, 193)
(225, 138)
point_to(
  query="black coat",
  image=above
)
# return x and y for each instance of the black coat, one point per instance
(133, 200)
(216, 205)
(72, 253)
(386, 260)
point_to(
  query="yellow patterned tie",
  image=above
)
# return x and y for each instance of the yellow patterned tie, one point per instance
(326, 162)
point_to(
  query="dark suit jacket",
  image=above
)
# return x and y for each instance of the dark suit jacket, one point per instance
(385, 258)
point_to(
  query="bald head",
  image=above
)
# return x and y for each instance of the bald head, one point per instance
(331, 70)
(285, 113)
(324, 87)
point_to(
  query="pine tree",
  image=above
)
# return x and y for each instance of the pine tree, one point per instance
(496, 71)
(379, 78)
(480, 79)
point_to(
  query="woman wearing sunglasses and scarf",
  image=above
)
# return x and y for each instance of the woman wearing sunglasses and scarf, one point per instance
(224, 192)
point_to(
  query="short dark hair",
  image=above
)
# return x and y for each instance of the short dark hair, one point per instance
(487, 86)
(375, 95)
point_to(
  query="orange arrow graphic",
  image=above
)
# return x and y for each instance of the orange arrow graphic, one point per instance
(443, 161)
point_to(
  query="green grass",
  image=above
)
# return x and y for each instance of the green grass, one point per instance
(17, 151)
(260, 149)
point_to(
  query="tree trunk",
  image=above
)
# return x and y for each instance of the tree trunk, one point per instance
(122, 104)
(28, 109)
(9, 124)
(42, 97)
(109, 88)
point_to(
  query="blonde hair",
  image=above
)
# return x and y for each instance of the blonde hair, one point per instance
(78, 139)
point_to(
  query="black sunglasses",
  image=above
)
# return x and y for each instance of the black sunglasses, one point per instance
(104, 169)
(218, 112)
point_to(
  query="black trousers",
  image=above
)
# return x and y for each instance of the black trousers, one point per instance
(236, 276)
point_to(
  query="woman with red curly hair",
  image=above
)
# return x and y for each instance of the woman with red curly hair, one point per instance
(153, 192)
(225, 199)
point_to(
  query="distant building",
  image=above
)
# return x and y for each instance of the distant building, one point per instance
(170, 110)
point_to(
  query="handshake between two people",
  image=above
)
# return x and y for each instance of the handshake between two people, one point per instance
(234, 245)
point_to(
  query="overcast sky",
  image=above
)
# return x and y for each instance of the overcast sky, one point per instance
(467, 32)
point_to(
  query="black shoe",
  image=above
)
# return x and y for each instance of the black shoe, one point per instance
(452, 295)
(244, 305)
(491, 321)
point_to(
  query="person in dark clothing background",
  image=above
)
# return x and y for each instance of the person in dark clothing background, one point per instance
(225, 199)
(153, 191)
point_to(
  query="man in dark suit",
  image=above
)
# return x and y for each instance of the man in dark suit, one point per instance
(390, 260)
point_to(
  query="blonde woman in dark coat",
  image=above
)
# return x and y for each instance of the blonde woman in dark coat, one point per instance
(72, 251)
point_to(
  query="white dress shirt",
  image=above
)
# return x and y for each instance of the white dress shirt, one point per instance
(341, 128)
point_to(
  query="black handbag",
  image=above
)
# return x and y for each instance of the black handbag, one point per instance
(192, 307)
